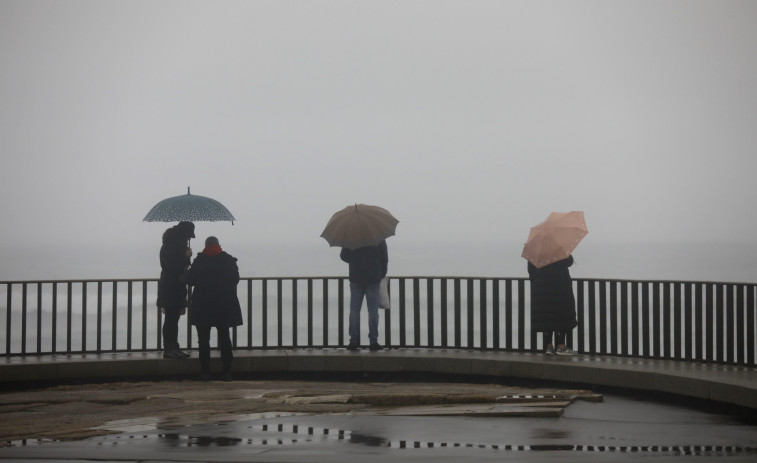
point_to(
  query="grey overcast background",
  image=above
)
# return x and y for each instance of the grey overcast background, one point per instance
(469, 120)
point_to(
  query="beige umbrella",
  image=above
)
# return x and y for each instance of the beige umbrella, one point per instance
(555, 238)
(359, 225)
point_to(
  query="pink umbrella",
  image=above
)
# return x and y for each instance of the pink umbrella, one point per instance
(555, 238)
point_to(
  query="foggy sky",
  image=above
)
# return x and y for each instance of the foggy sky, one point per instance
(469, 120)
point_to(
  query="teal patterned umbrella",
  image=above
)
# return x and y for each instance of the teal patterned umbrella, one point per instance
(189, 208)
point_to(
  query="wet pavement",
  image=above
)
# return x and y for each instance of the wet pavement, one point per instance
(618, 428)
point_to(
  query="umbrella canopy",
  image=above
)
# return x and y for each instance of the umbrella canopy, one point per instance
(555, 238)
(189, 208)
(359, 225)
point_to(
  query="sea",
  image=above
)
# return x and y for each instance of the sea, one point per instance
(713, 261)
(708, 262)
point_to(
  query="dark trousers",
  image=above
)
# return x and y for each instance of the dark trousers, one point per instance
(224, 343)
(171, 326)
(559, 338)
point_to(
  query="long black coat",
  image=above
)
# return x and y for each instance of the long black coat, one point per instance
(553, 306)
(172, 291)
(214, 296)
(368, 264)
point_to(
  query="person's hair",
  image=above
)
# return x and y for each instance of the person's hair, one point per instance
(211, 241)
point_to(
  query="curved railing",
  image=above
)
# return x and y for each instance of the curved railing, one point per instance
(681, 320)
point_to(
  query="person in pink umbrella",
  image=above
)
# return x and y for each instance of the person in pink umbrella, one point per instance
(553, 305)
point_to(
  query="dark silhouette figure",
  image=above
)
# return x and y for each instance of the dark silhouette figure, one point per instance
(368, 265)
(553, 305)
(214, 276)
(172, 291)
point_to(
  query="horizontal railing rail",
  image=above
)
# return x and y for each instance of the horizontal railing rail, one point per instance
(680, 320)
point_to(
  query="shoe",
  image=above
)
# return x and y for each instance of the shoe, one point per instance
(226, 376)
(376, 346)
(204, 377)
(180, 353)
(171, 353)
(550, 350)
(564, 351)
(353, 346)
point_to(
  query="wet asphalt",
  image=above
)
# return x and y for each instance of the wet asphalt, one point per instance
(618, 429)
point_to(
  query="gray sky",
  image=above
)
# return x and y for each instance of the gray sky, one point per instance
(469, 120)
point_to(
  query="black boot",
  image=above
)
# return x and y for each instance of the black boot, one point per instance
(172, 351)
(179, 352)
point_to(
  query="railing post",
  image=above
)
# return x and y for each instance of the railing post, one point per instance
(23, 317)
(69, 315)
(521, 315)
(388, 317)
(310, 312)
(8, 318)
(740, 320)
(264, 311)
(458, 342)
(444, 308)
(635, 319)
(592, 317)
(249, 313)
(279, 313)
(719, 322)
(495, 314)
(509, 314)
(54, 327)
(325, 312)
(613, 316)
(645, 320)
(295, 321)
(129, 309)
(483, 325)
(603, 317)
(470, 317)
(114, 313)
(416, 313)
(430, 311)
(39, 318)
(84, 317)
(729, 325)
(403, 337)
(688, 315)
(750, 320)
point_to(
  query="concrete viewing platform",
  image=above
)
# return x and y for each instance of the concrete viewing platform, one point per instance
(733, 385)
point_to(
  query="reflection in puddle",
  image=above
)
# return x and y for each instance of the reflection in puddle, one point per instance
(371, 441)
(201, 441)
(280, 434)
(274, 434)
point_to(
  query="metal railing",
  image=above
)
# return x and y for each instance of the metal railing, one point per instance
(695, 321)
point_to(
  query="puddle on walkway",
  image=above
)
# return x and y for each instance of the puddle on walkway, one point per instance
(289, 434)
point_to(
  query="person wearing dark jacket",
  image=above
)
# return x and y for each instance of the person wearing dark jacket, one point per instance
(172, 291)
(368, 265)
(214, 276)
(553, 306)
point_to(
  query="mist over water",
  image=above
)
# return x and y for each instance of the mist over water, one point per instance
(729, 262)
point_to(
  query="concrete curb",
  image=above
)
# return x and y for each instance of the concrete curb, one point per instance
(721, 383)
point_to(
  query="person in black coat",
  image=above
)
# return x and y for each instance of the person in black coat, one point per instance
(214, 276)
(553, 306)
(172, 291)
(368, 265)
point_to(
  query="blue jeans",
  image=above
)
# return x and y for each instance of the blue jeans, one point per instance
(371, 293)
